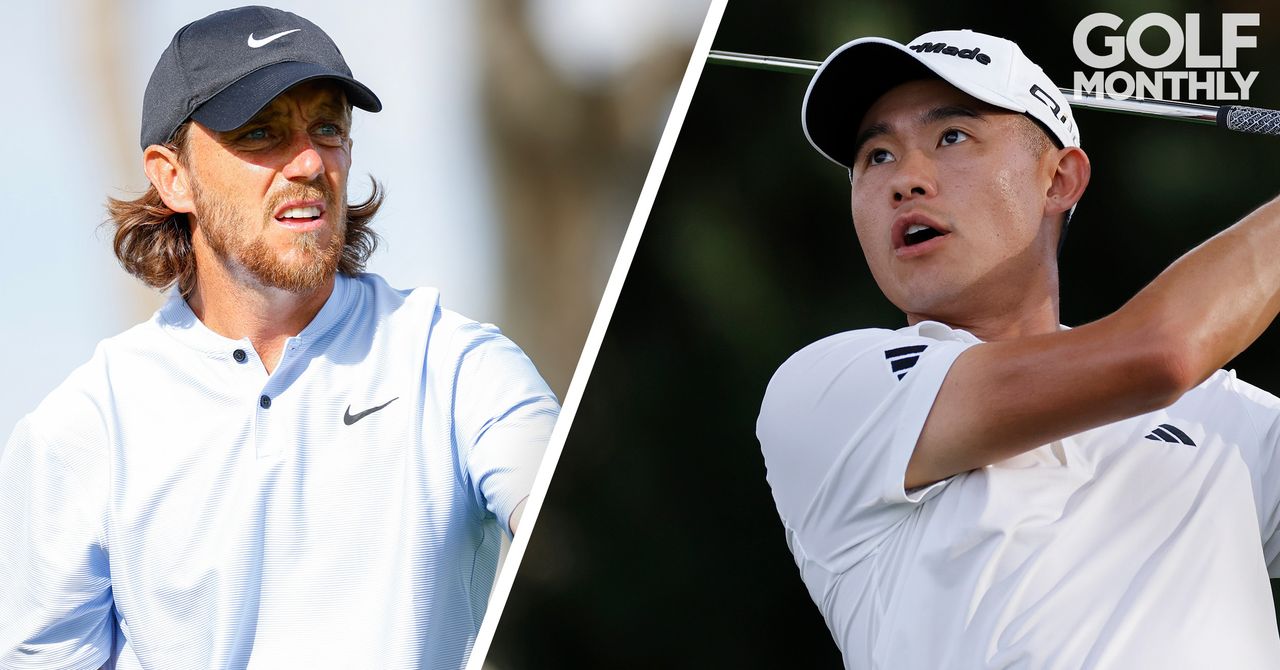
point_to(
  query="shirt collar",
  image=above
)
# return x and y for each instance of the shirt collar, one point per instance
(176, 318)
(941, 331)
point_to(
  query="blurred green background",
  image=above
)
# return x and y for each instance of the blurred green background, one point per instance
(659, 544)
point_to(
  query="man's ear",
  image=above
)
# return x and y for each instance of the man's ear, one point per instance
(1069, 181)
(171, 179)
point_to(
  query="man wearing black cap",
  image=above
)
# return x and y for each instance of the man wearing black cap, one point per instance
(291, 464)
(987, 488)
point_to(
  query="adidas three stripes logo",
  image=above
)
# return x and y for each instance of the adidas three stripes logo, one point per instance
(1167, 433)
(902, 359)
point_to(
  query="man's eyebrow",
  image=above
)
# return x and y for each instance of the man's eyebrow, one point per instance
(873, 131)
(333, 109)
(931, 116)
(267, 114)
(948, 112)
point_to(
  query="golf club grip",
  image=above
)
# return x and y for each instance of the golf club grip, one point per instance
(1249, 119)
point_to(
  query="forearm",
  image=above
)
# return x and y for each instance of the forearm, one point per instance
(1197, 315)
(1214, 301)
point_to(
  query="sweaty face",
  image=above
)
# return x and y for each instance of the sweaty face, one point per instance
(948, 202)
(270, 196)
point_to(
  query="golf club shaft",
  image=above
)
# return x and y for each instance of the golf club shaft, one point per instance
(1232, 117)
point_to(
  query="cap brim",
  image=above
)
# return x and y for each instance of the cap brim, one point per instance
(851, 80)
(236, 104)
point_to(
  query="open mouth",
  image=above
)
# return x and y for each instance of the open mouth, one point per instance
(918, 233)
(300, 215)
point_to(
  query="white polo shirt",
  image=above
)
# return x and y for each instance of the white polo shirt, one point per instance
(174, 501)
(1146, 543)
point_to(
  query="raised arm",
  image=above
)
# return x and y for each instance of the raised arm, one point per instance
(1004, 398)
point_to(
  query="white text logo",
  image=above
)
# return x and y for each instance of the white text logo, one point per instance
(1208, 76)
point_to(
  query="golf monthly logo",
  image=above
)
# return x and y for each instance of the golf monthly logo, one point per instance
(1206, 77)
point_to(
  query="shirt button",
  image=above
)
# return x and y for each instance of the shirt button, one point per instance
(264, 402)
(239, 355)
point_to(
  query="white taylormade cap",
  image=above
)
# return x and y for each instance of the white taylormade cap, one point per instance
(991, 69)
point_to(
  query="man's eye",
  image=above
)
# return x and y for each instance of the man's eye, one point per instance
(330, 134)
(953, 136)
(256, 134)
(879, 156)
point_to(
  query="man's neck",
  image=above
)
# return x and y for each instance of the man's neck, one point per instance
(234, 308)
(1036, 318)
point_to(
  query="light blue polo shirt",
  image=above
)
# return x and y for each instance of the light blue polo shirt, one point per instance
(175, 506)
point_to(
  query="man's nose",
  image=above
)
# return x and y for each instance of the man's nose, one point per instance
(305, 163)
(914, 178)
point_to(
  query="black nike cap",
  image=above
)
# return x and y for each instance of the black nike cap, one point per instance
(224, 68)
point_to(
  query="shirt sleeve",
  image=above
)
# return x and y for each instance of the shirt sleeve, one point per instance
(1262, 416)
(838, 424)
(503, 416)
(56, 609)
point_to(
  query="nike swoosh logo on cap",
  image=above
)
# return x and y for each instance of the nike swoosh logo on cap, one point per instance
(254, 43)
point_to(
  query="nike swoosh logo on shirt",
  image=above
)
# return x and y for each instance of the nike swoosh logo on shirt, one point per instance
(254, 43)
(349, 418)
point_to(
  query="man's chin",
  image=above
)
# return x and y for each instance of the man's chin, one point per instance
(300, 283)
(298, 270)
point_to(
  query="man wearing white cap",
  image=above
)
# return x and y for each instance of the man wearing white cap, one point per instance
(292, 464)
(985, 487)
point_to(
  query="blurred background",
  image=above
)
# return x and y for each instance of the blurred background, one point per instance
(659, 544)
(513, 143)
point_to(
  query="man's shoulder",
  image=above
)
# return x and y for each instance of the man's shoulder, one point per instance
(374, 293)
(1224, 394)
(140, 336)
(81, 402)
(378, 294)
(1223, 385)
(76, 410)
(452, 333)
(849, 374)
(462, 336)
(849, 340)
(806, 375)
(92, 376)
(884, 343)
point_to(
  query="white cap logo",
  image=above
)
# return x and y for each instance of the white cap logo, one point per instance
(994, 70)
(254, 44)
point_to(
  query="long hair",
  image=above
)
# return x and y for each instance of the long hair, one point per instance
(153, 242)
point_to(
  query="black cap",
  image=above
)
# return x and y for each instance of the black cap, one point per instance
(224, 68)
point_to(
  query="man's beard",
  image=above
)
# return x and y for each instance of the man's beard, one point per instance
(243, 249)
